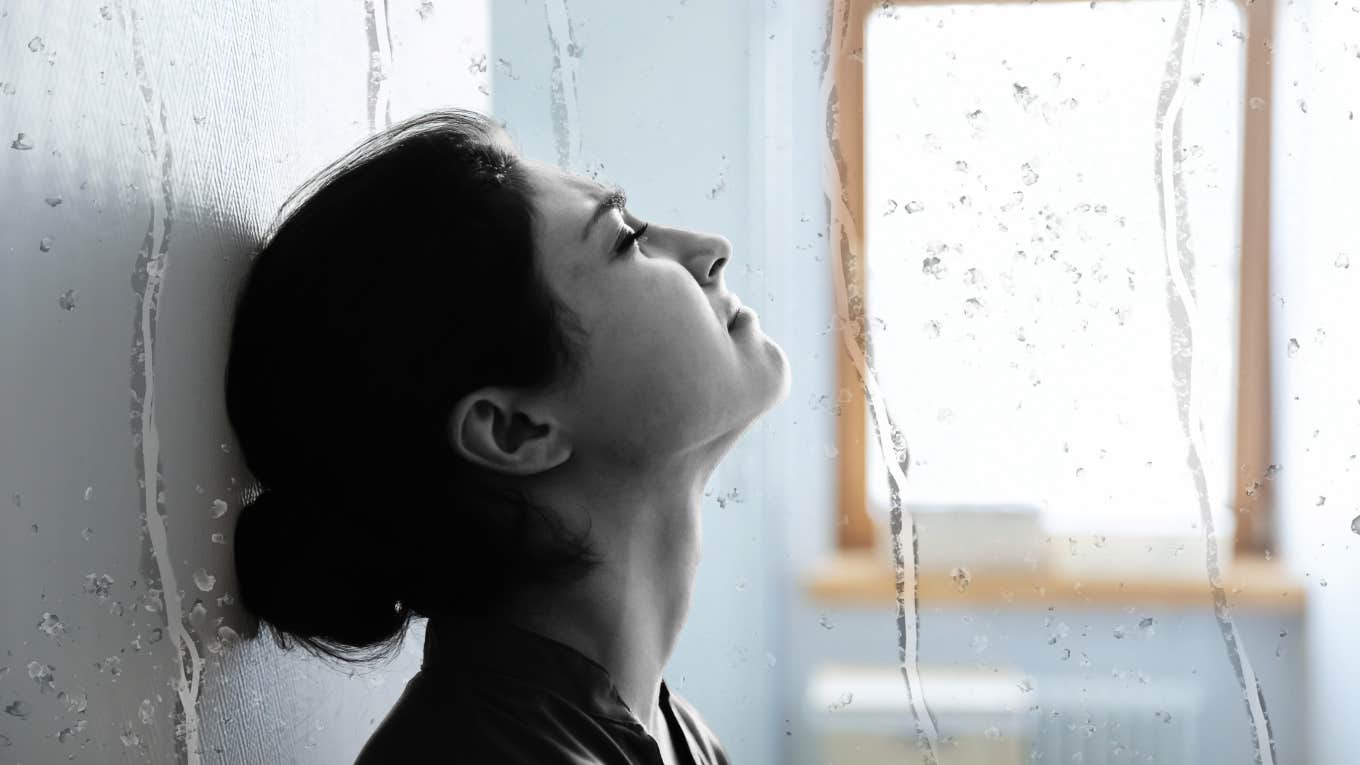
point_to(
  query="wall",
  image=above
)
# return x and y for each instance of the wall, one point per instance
(146, 147)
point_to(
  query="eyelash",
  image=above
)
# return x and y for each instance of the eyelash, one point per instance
(629, 240)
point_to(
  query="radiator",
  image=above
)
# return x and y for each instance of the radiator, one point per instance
(859, 715)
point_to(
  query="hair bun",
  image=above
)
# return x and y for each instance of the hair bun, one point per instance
(286, 555)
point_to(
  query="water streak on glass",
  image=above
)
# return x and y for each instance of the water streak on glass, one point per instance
(147, 278)
(857, 344)
(379, 62)
(564, 106)
(1185, 314)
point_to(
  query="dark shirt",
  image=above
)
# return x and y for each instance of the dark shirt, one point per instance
(489, 691)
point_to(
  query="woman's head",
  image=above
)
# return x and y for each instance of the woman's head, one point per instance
(422, 341)
(662, 374)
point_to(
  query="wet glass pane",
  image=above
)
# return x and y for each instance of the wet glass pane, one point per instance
(1102, 253)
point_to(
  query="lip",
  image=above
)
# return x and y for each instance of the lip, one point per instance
(733, 308)
(744, 318)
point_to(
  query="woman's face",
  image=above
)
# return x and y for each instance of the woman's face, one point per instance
(663, 376)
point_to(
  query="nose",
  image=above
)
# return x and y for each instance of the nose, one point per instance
(705, 255)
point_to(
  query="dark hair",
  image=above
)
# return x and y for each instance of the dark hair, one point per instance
(405, 278)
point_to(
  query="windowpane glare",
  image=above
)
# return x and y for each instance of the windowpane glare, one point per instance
(1017, 276)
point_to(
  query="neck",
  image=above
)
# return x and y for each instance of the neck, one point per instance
(628, 612)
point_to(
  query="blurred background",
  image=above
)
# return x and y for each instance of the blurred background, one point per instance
(1096, 255)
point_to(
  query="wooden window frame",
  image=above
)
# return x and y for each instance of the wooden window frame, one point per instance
(1256, 529)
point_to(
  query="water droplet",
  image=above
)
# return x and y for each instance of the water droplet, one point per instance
(147, 711)
(20, 709)
(20, 144)
(66, 734)
(1023, 96)
(825, 622)
(1293, 346)
(1119, 632)
(1146, 625)
(51, 625)
(961, 166)
(979, 643)
(933, 267)
(1355, 524)
(87, 533)
(1256, 103)
(36, 44)
(971, 307)
(219, 508)
(98, 585)
(128, 737)
(89, 493)
(1321, 500)
(1322, 582)
(1025, 685)
(197, 614)
(914, 207)
(1342, 261)
(106, 12)
(961, 577)
(67, 300)
(76, 702)
(203, 580)
(219, 538)
(113, 664)
(425, 9)
(1027, 175)
(45, 244)
(843, 701)
(932, 328)
(769, 659)
(41, 674)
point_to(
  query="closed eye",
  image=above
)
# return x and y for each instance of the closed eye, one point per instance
(626, 243)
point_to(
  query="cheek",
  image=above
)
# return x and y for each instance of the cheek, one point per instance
(662, 365)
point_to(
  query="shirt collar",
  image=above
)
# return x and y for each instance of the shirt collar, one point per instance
(472, 643)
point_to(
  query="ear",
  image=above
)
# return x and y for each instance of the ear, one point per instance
(504, 432)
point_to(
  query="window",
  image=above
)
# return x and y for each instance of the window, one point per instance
(1027, 325)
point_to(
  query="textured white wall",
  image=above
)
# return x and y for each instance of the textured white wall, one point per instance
(146, 146)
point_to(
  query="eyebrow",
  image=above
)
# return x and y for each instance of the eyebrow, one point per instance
(614, 199)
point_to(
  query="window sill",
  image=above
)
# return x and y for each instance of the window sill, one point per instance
(859, 578)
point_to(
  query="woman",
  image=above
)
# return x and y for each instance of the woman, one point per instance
(475, 388)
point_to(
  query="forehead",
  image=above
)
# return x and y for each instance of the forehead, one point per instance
(563, 191)
(564, 202)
